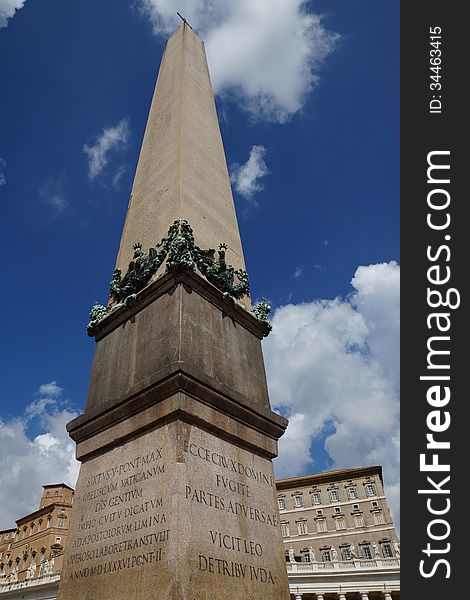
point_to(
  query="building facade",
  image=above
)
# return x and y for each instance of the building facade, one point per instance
(31, 554)
(339, 537)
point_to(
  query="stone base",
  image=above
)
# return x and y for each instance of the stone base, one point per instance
(176, 496)
(175, 513)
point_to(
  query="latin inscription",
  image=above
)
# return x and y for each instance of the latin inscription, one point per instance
(229, 568)
(228, 463)
(232, 493)
(125, 529)
(237, 508)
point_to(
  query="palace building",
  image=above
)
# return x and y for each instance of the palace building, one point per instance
(31, 553)
(339, 539)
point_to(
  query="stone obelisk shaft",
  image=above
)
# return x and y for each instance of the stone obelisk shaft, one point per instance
(176, 497)
(182, 172)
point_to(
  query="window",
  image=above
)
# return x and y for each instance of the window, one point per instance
(61, 522)
(346, 553)
(321, 525)
(24, 533)
(326, 555)
(371, 490)
(387, 550)
(9, 547)
(352, 493)
(316, 498)
(338, 510)
(49, 517)
(302, 527)
(334, 496)
(39, 524)
(374, 503)
(305, 556)
(32, 528)
(282, 503)
(359, 521)
(355, 506)
(57, 540)
(17, 533)
(298, 501)
(378, 518)
(285, 529)
(340, 523)
(320, 512)
(366, 552)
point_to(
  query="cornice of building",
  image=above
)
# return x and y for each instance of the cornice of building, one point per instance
(328, 476)
(42, 511)
(55, 485)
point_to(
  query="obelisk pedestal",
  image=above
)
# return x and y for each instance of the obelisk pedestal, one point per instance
(176, 496)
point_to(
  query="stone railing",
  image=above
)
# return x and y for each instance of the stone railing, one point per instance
(7, 586)
(343, 565)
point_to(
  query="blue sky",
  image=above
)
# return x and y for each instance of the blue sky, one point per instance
(319, 199)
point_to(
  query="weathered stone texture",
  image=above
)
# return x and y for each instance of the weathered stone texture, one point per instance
(179, 513)
(179, 331)
(182, 171)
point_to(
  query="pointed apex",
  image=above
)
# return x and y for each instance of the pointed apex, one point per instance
(182, 172)
(184, 20)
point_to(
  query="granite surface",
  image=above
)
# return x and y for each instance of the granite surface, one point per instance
(176, 513)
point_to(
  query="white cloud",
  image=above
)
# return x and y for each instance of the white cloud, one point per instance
(111, 139)
(118, 176)
(28, 461)
(8, 9)
(266, 52)
(333, 368)
(3, 164)
(299, 271)
(52, 192)
(246, 177)
(50, 389)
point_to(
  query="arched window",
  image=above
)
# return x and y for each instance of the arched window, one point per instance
(387, 550)
(302, 528)
(305, 555)
(326, 554)
(365, 550)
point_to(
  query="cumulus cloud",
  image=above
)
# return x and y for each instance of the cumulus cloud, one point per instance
(30, 460)
(52, 192)
(110, 140)
(246, 178)
(333, 369)
(8, 9)
(3, 164)
(268, 53)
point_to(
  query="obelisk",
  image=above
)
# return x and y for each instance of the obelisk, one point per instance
(176, 496)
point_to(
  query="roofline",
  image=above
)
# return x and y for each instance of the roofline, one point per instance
(45, 509)
(49, 485)
(339, 474)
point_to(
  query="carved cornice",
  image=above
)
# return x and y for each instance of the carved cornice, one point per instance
(165, 284)
(179, 252)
